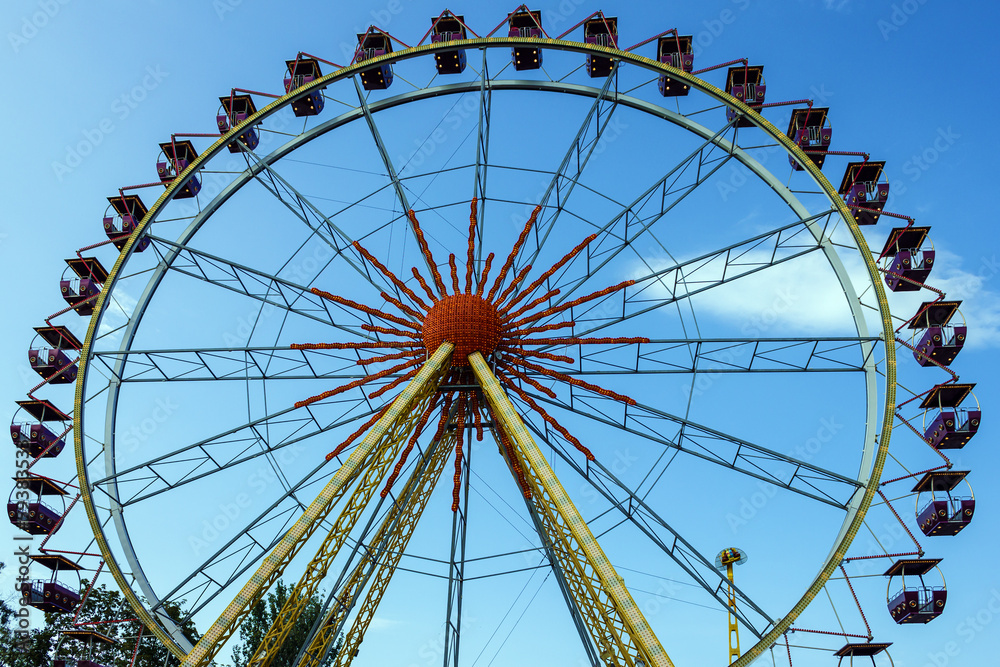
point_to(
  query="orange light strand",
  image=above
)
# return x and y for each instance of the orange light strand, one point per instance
(426, 251)
(454, 273)
(573, 381)
(513, 253)
(486, 273)
(476, 413)
(396, 382)
(459, 439)
(391, 276)
(525, 378)
(391, 332)
(471, 259)
(517, 281)
(423, 283)
(548, 327)
(525, 308)
(583, 341)
(351, 438)
(390, 357)
(556, 425)
(520, 351)
(575, 302)
(555, 267)
(352, 346)
(409, 447)
(402, 306)
(364, 309)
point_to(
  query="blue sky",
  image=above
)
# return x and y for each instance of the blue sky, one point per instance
(99, 87)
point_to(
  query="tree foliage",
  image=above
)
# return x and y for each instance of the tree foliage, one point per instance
(260, 619)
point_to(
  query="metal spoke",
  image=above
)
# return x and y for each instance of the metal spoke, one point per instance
(256, 284)
(709, 444)
(228, 449)
(229, 363)
(482, 156)
(688, 278)
(720, 355)
(573, 164)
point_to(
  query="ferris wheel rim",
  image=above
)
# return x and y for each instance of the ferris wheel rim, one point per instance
(876, 453)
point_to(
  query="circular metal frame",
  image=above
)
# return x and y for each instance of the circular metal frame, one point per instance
(876, 439)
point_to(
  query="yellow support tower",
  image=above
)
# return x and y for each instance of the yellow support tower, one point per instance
(387, 546)
(398, 418)
(301, 595)
(620, 631)
(727, 558)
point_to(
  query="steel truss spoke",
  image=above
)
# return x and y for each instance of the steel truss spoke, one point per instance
(253, 283)
(397, 185)
(229, 363)
(397, 419)
(482, 160)
(719, 355)
(647, 209)
(706, 443)
(266, 436)
(685, 279)
(628, 502)
(617, 627)
(322, 225)
(573, 164)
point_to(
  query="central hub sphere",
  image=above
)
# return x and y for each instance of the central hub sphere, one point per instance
(468, 321)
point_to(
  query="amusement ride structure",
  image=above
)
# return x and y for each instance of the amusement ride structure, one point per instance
(306, 331)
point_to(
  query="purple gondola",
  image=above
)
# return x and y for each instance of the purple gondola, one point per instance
(601, 31)
(951, 426)
(906, 263)
(27, 509)
(236, 109)
(373, 44)
(947, 515)
(745, 83)
(916, 601)
(81, 292)
(36, 438)
(54, 363)
(941, 341)
(52, 595)
(176, 156)
(865, 190)
(525, 23)
(449, 28)
(128, 213)
(676, 51)
(811, 132)
(300, 72)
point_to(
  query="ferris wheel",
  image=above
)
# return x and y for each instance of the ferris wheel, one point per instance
(308, 346)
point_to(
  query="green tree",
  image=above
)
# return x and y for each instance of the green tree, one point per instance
(261, 617)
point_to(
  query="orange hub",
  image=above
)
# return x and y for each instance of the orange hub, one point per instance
(467, 321)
